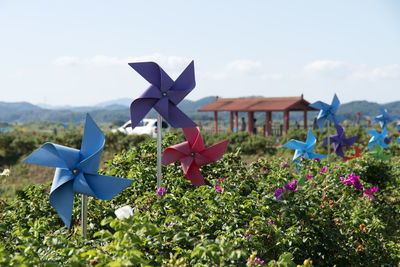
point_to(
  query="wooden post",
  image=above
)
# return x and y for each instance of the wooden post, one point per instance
(237, 121)
(268, 123)
(305, 118)
(285, 122)
(231, 121)
(250, 122)
(215, 121)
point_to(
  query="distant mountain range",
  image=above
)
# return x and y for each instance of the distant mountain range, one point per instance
(106, 112)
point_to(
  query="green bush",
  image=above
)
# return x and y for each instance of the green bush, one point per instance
(324, 220)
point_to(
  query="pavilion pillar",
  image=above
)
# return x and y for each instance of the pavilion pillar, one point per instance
(231, 121)
(305, 118)
(236, 121)
(268, 123)
(285, 122)
(215, 121)
(250, 122)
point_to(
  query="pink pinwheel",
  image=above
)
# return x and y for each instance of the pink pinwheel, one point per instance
(193, 154)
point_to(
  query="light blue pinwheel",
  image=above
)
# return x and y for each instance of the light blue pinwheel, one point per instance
(76, 171)
(327, 112)
(383, 119)
(304, 149)
(377, 138)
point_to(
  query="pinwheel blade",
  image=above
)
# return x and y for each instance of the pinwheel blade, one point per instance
(215, 152)
(335, 102)
(153, 73)
(294, 144)
(177, 118)
(92, 146)
(53, 155)
(184, 84)
(106, 187)
(175, 153)
(81, 186)
(139, 108)
(62, 200)
(195, 176)
(192, 134)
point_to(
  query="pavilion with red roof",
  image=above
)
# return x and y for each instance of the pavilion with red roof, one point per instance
(258, 104)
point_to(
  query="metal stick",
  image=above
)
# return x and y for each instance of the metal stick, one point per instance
(329, 141)
(84, 215)
(159, 134)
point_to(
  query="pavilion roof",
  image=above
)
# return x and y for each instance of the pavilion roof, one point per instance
(243, 104)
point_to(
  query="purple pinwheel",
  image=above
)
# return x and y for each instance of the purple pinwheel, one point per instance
(327, 112)
(383, 119)
(388, 139)
(163, 94)
(377, 138)
(339, 140)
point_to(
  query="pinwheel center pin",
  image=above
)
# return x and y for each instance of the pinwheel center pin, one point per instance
(164, 94)
(75, 171)
(192, 154)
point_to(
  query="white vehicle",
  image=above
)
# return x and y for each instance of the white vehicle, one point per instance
(145, 126)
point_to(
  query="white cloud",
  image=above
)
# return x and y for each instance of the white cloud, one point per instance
(243, 65)
(169, 62)
(381, 73)
(66, 61)
(15, 75)
(272, 76)
(324, 65)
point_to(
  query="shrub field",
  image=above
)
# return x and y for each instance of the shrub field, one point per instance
(343, 214)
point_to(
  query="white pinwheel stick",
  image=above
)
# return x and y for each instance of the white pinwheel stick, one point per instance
(159, 135)
(84, 216)
(329, 142)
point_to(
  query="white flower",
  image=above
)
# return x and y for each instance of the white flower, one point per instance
(124, 212)
(91, 225)
(6, 172)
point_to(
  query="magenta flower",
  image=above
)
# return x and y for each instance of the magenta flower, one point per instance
(323, 170)
(172, 225)
(309, 176)
(271, 222)
(316, 159)
(291, 186)
(284, 164)
(279, 192)
(161, 191)
(219, 189)
(352, 179)
(248, 236)
(266, 171)
(370, 193)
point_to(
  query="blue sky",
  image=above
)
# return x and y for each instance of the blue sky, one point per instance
(76, 52)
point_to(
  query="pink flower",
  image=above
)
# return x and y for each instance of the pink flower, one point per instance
(316, 159)
(266, 171)
(323, 170)
(284, 164)
(309, 176)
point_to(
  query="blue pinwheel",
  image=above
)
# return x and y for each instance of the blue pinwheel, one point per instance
(76, 171)
(163, 94)
(304, 149)
(377, 138)
(327, 112)
(383, 119)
